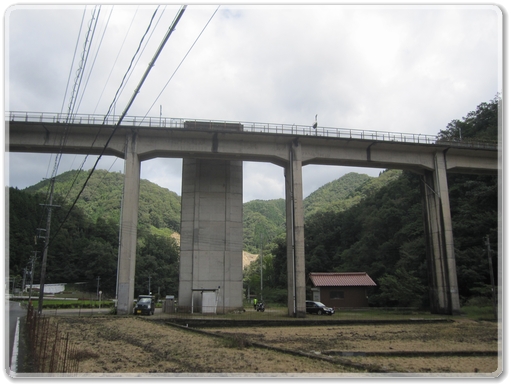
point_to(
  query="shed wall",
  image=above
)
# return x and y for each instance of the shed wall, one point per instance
(339, 297)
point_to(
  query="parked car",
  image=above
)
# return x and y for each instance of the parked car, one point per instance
(318, 308)
(144, 305)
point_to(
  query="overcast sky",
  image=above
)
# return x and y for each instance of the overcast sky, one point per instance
(409, 69)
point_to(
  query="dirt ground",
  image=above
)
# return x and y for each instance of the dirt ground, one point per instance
(138, 345)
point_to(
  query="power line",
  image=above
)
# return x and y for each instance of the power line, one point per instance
(73, 61)
(151, 64)
(116, 58)
(129, 67)
(77, 83)
(76, 86)
(86, 83)
(182, 60)
(95, 57)
(83, 62)
(153, 60)
(99, 131)
(145, 46)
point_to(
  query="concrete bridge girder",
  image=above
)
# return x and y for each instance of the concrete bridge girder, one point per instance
(164, 142)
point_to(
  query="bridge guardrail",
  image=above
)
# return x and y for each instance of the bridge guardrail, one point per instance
(253, 127)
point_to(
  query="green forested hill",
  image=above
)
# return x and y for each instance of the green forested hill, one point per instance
(383, 234)
(267, 218)
(336, 195)
(159, 207)
(262, 219)
(344, 192)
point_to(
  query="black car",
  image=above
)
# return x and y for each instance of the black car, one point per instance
(144, 305)
(318, 308)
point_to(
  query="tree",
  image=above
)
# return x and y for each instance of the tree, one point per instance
(481, 124)
(401, 289)
(157, 258)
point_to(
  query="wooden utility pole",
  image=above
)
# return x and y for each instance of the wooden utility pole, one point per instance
(261, 268)
(32, 275)
(45, 251)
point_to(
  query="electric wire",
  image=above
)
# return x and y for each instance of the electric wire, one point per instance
(58, 156)
(81, 67)
(180, 63)
(116, 96)
(73, 61)
(76, 88)
(100, 129)
(95, 58)
(151, 64)
(77, 85)
(65, 95)
(83, 93)
(115, 61)
(143, 49)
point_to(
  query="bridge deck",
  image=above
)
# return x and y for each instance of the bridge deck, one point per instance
(179, 138)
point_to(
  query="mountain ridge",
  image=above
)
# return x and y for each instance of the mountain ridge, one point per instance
(160, 208)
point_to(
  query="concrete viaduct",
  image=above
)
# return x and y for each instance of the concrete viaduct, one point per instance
(212, 218)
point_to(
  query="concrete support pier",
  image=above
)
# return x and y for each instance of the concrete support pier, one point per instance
(128, 233)
(443, 282)
(211, 234)
(295, 233)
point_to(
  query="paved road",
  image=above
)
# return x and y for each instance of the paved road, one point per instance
(13, 312)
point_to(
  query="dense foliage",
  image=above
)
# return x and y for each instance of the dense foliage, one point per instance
(85, 247)
(262, 221)
(383, 233)
(337, 195)
(159, 207)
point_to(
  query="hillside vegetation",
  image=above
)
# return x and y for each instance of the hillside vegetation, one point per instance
(159, 208)
(378, 228)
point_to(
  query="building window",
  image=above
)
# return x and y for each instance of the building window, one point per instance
(336, 294)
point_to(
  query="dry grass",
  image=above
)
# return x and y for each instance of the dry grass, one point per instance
(135, 345)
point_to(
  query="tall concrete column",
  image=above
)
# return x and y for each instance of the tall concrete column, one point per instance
(211, 233)
(295, 233)
(443, 282)
(128, 232)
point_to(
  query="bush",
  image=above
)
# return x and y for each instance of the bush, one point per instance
(478, 301)
(276, 295)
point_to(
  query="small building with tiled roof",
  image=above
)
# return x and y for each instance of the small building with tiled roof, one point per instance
(341, 289)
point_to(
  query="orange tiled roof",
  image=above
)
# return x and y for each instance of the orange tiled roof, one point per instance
(339, 279)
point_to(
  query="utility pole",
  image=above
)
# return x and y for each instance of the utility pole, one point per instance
(32, 276)
(24, 279)
(492, 280)
(261, 268)
(46, 243)
(97, 289)
(149, 286)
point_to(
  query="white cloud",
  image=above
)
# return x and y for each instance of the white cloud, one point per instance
(263, 181)
(165, 172)
(391, 68)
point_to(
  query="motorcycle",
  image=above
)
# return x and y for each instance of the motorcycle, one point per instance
(260, 307)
